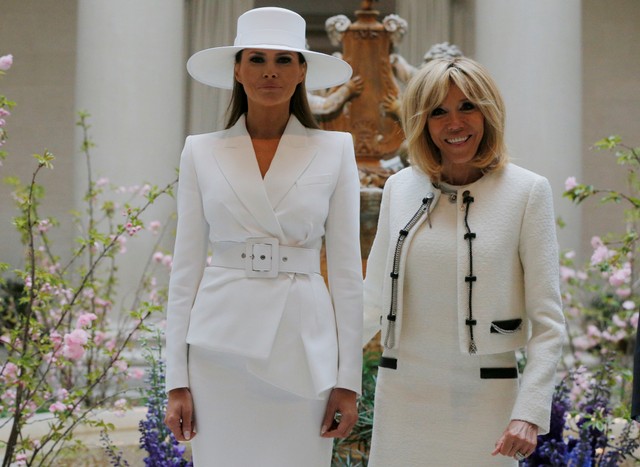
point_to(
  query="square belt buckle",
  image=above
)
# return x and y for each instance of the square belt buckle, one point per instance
(262, 257)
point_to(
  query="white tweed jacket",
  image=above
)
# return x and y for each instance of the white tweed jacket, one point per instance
(516, 296)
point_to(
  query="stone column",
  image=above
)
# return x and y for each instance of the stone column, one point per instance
(429, 23)
(130, 77)
(533, 50)
(435, 21)
(211, 24)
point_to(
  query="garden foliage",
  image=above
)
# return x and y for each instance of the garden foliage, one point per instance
(64, 339)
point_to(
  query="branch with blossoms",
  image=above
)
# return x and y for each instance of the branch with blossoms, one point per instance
(5, 106)
(65, 355)
(591, 416)
(601, 300)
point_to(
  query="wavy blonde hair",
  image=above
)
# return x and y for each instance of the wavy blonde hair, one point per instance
(428, 89)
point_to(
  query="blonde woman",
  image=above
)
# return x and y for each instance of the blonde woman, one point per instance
(462, 273)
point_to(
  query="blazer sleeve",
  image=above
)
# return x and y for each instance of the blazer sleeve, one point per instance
(344, 268)
(540, 261)
(375, 275)
(189, 259)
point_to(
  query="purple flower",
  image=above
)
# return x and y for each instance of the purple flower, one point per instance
(161, 446)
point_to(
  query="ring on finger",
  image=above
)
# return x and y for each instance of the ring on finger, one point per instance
(519, 456)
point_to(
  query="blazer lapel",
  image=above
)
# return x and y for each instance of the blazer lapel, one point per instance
(293, 156)
(237, 162)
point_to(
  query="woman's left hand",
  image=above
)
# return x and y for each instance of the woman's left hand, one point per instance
(518, 440)
(343, 402)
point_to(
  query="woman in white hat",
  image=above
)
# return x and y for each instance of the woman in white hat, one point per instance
(263, 362)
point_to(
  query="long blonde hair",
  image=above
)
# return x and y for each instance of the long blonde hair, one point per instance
(429, 88)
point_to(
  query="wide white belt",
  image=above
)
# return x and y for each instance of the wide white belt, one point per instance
(265, 257)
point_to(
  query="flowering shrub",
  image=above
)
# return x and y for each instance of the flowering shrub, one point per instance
(591, 418)
(584, 432)
(65, 350)
(160, 444)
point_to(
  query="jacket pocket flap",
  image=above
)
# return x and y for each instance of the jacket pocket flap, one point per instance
(506, 326)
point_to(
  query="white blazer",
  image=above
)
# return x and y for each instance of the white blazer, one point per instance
(295, 334)
(515, 259)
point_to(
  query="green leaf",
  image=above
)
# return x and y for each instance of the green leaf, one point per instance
(609, 142)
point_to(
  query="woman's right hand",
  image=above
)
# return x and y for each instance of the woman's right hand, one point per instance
(179, 417)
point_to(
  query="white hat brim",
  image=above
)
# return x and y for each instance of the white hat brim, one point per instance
(214, 67)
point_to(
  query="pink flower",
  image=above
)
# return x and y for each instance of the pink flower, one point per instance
(57, 407)
(593, 331)
(154, 227)
(600, 254)
(74, 343)
(167, 261)
(120, 365)
(120, 405)
(73, 352)
(85, 320)
(136, 373)
(619, 321)
(583, 342)
(122, 243)
(88, 293)
(618, 278)
(158, 257)
(50, 358)
(596, 242)
(101, 182)
(567, 273)
(628, 305)
(616, 337)
(570, 183)
(10, 372)
(633, 321)
(44, 226)
(76, 337)
(5, 62)
(132, 229)
(99, 337)
(144, 190)
(4, 112)
(110, 345)
(21, 459)
(623, 292)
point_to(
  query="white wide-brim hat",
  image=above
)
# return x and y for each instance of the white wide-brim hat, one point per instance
(274, 29)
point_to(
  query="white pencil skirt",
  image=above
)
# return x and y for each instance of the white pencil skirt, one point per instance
(242, 421)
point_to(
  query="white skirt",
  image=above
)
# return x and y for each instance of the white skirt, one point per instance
(242, 421)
